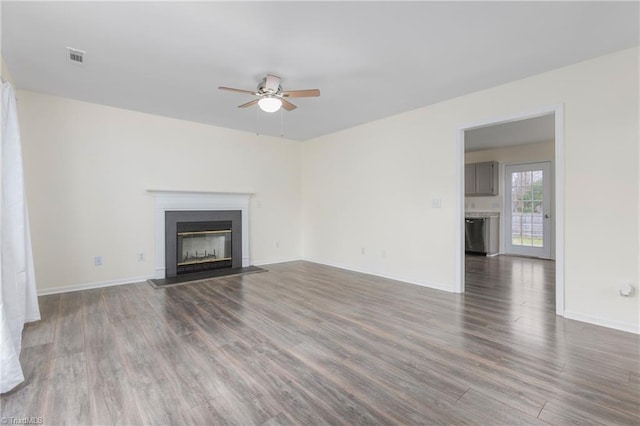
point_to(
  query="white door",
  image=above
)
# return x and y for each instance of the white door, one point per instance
(528, 209)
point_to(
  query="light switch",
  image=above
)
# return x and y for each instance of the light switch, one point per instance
(435, 203)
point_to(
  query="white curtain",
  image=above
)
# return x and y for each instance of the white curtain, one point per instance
(18, 298)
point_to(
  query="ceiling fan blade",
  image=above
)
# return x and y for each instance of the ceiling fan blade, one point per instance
(309, 93)
(248, 104)
(288, 105)
(231, 89)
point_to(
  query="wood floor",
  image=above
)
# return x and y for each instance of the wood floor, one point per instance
(310, 344)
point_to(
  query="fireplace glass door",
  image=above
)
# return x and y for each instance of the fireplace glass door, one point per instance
(203, 250)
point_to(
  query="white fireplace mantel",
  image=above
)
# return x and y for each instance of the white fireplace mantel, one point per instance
(165, 200)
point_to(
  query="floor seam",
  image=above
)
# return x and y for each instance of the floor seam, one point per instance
(540, 412)
(463, 394)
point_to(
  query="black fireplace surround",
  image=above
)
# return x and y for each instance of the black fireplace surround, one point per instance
(198, 223)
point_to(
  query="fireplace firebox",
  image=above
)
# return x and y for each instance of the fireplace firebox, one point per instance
(200, 241)
(202, 246)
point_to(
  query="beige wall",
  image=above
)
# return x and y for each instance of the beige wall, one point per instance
(88, 167)
(528, 153)
(371, 186)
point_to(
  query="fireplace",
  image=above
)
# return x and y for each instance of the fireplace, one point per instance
(203, 240)
(193, 204)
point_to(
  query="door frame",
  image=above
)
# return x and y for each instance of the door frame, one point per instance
(558, 202)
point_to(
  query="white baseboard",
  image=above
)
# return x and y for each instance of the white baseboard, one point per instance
(604, 322)
(159, 274)
(273, 262)
(435, 286)
(87, 286)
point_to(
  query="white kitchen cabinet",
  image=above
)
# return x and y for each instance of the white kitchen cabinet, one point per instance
(481, 179)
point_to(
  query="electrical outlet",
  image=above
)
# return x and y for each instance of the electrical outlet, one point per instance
(384, 254)
(140, 257)
(277, 244)
(362, 250)
(97, 261)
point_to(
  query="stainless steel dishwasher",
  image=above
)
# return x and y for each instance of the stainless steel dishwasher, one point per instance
(481, 235)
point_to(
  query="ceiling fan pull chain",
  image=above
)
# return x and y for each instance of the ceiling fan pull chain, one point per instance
(281, 123)
(257, 120)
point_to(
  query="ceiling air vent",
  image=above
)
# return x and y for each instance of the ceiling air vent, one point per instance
(76, 56)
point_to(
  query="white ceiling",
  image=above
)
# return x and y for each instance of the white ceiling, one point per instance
(532, 130)
(369, 59)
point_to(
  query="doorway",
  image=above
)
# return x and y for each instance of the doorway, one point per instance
(556, 172)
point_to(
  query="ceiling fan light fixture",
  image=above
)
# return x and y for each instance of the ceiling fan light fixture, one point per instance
(270, 104)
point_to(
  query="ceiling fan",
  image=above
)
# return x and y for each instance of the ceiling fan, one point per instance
(271, 97)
